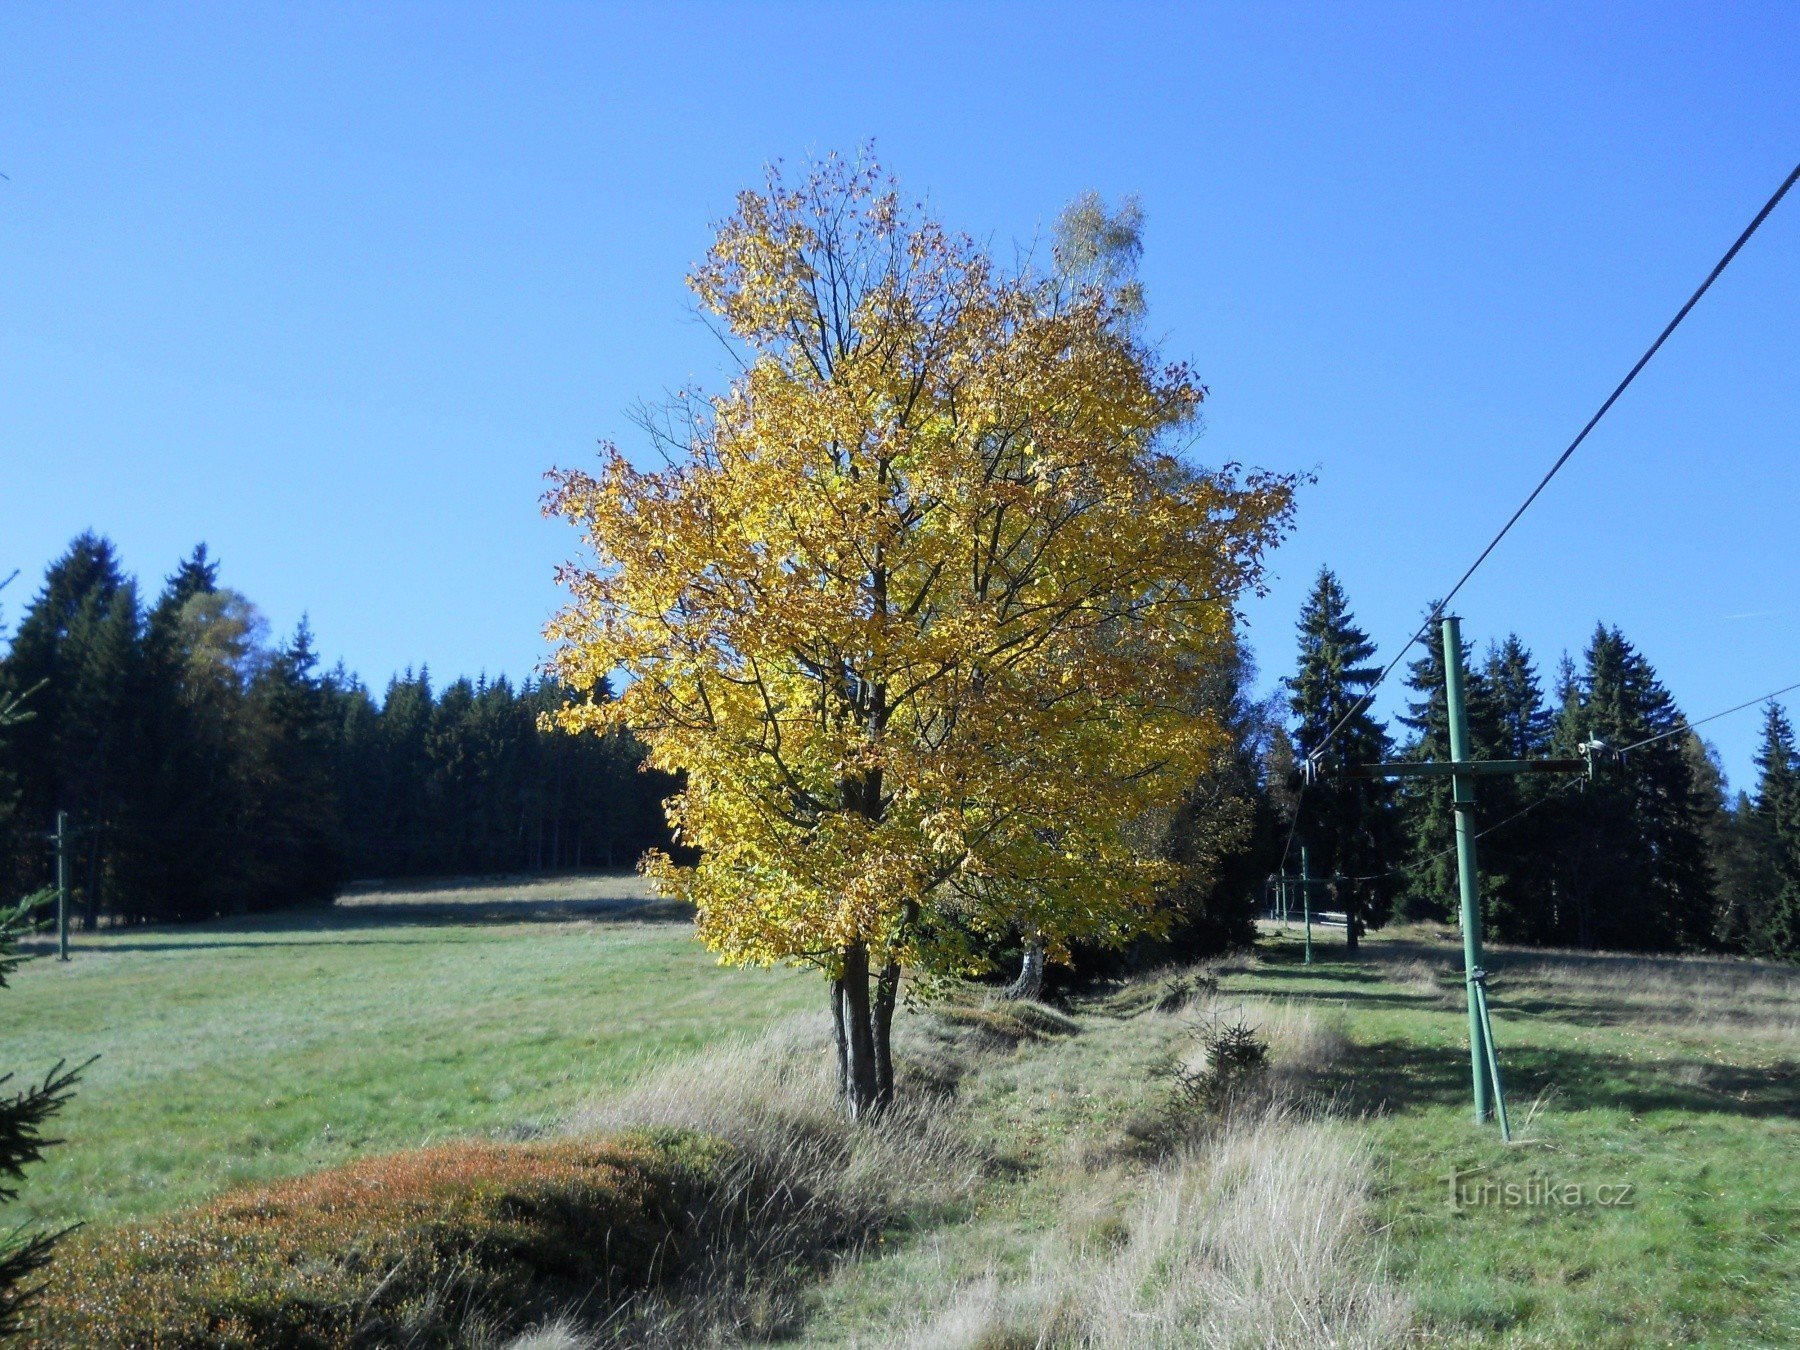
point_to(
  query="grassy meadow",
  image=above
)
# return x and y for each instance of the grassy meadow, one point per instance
(1677, 1078)
(242, 1051)
(1055, 1176)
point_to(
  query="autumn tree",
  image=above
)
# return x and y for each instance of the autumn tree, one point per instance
(913, 604)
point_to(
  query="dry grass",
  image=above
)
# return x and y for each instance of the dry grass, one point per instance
(1264, 1237)
(1258, 1230)
(809, 1187)
(1003, 1023)
(524, 889)
(1303, 1040)
(1261, 1236)
(1439, 980)
(1698, 995)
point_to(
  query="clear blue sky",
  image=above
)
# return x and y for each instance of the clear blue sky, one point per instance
(329, 287)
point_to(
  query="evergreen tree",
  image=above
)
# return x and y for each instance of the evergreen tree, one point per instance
(1516, 882)
(187, 771)
(1632, 869)
(1350, 827)
(1426, 817)
(295, 804)
(1228, 834)
(212, 774)
(1771, 923)
(24, 1112)
(75, 647)
(23, 1115)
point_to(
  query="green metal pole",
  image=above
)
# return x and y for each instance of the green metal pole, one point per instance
(62, 885)
(1462, 793)
(1493, 1063)
(1306, 899)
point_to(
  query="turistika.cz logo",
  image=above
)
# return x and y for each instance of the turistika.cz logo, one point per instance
(1469, 1189)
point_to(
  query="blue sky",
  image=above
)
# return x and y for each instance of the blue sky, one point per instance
(329, 287)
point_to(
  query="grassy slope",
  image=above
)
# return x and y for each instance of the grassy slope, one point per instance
(249, 1050)
(1678, 1078)
(1046, 1115)
(229, 1049)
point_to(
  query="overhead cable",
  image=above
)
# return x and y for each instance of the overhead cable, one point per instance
(1712, 717)
(1573, 445)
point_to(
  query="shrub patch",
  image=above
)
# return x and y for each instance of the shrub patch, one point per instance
(404, 1249)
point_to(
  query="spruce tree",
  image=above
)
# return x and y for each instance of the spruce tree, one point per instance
(23, 1112)
(1772, 923)
(211, 774)
(1349, 826)
(1631, 870)
(187, 759)
(1224, 836)
(1426, 819)
(23, 1115)
(295, 798)
(52, 751)
(1524, 809)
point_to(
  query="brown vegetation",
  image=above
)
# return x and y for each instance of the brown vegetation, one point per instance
(420, 1248)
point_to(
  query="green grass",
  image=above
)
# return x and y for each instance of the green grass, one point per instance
(1044, 1117)
(252, 1050)
(1675, 1078)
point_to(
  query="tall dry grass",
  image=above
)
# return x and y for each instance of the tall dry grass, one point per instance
(806, 1187)
(1258, 1230)
(1704, 995)
(1263, 1236)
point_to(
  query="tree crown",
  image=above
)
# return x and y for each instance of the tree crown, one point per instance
(917, 604)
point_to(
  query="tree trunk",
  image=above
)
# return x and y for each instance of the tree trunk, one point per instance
(887, 988)
(1352, 929)
(1030, 983)
(842, 1033)
(90, 900)
(856, 1035)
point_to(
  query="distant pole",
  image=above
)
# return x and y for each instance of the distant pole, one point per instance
(1306, 899)
(62, 885)
(1462, 794)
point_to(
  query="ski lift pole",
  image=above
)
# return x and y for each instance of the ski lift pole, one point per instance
(1306, 899)
(1468, 879)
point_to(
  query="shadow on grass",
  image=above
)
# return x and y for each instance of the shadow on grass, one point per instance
(1397, 1075)
(1400, 1075)
(286, 927)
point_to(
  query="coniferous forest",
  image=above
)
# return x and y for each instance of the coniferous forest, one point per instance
(1651, 855)
(208, 771)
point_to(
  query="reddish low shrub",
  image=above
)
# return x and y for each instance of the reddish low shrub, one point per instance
(405, 1249)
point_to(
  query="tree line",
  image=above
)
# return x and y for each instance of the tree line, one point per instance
(208, 771)
(1651, 854)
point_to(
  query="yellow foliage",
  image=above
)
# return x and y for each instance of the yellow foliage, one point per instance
(918, 603)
